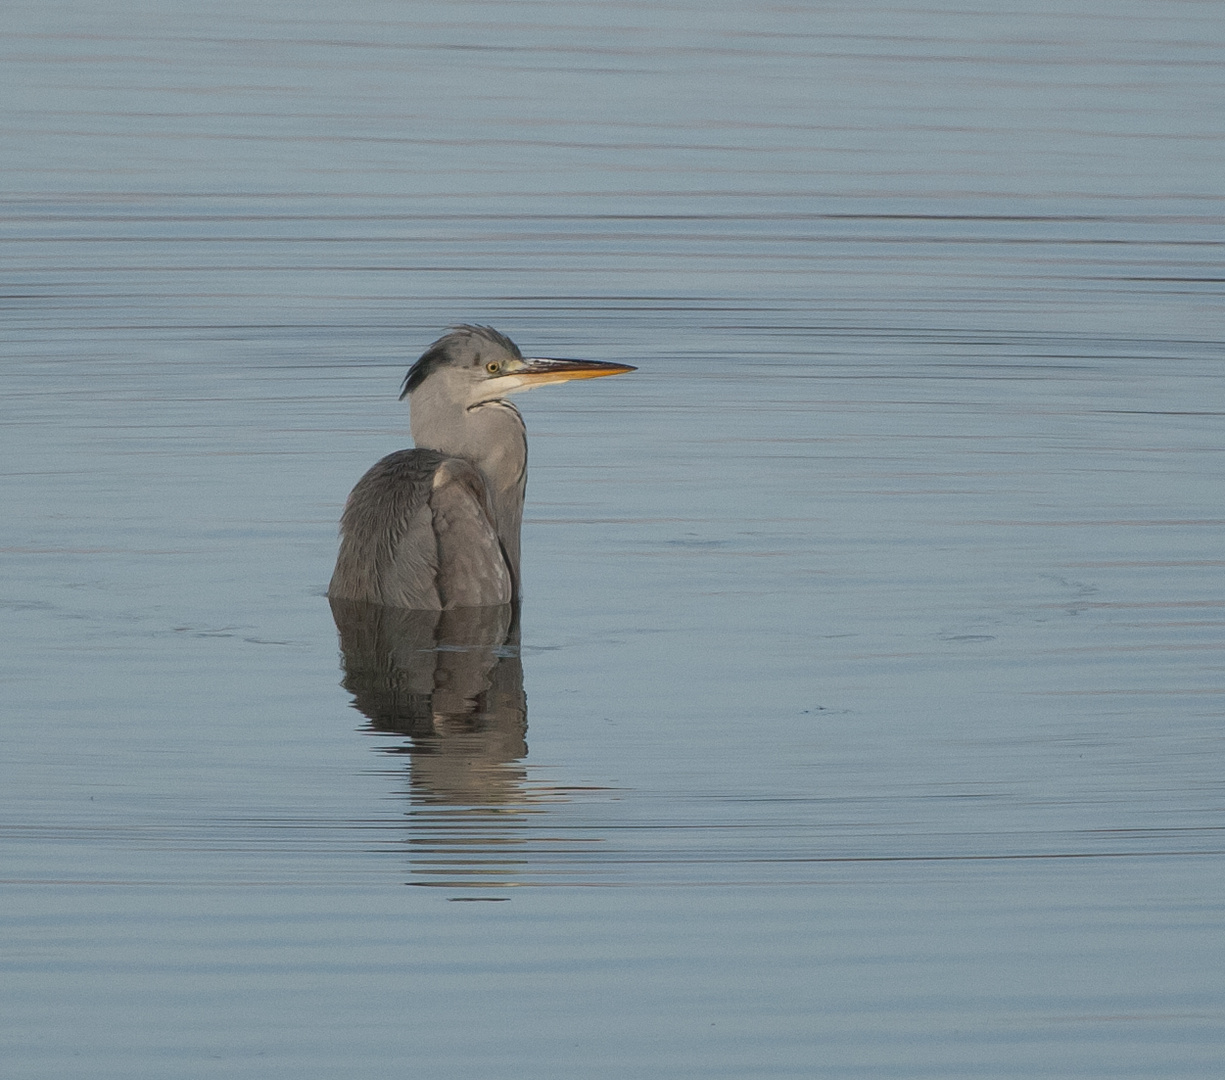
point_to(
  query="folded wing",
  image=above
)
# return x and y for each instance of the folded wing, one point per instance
(418, 532)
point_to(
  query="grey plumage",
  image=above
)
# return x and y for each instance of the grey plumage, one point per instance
(438, 527)
(414, 513)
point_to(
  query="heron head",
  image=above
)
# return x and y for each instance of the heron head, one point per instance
(476, 364)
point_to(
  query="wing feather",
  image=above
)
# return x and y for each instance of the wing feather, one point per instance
(472, 565)
(418, 532)
(387, 549)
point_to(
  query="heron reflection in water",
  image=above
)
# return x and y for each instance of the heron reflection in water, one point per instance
(452, 682)
(427, 583)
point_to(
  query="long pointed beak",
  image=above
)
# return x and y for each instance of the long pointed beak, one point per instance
(538, 370)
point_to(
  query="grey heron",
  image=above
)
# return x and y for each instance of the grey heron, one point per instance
(437, 527)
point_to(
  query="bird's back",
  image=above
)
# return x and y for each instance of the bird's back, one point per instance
(418, 532)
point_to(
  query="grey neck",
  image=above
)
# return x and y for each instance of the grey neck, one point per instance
(492, 436)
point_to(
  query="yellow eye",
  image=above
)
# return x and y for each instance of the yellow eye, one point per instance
(493, 367)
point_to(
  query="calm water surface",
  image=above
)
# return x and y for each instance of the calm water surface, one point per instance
(864, 716)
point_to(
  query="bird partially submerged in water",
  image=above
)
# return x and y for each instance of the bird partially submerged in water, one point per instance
(438, 527)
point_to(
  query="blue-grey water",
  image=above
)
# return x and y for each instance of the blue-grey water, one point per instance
(868, 714)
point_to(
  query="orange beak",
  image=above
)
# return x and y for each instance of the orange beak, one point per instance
(538, 371)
